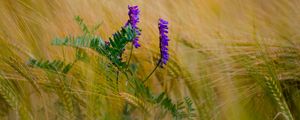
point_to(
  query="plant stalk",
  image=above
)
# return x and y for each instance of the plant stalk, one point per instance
(152, 71)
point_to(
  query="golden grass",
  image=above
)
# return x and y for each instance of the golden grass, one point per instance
(215, 52)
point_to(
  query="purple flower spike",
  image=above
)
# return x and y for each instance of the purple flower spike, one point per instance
(133, 14)
(163, 31)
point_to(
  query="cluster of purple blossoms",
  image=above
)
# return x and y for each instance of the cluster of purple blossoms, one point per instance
(133, 20)
(163, 31)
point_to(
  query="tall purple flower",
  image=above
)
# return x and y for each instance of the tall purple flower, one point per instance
(133, 14)
(163, 31)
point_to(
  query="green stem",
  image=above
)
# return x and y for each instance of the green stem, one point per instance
(152, 71)
(117, 81)
(128, 79)
(131, 49)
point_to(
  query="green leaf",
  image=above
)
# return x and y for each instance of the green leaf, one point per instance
(54, 66)
(113, 51)
(82, 25)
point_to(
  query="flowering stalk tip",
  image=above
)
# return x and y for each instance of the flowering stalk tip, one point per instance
(164, 39)
(133, 14)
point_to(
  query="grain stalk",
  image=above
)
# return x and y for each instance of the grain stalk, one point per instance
(276, 93)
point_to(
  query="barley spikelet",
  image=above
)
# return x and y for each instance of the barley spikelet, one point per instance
(278, 97)
(136, 101)
(9, 93)
(68, 101)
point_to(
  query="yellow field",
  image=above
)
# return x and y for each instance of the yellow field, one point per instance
(236, 59)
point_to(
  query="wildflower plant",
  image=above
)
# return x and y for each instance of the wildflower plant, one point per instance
(163, 43)
(113, 50)
(248, 70)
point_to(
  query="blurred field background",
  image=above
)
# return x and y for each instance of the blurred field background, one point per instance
(236, 59)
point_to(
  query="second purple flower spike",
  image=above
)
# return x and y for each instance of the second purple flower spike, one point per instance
(164, 39)
(133, 14)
